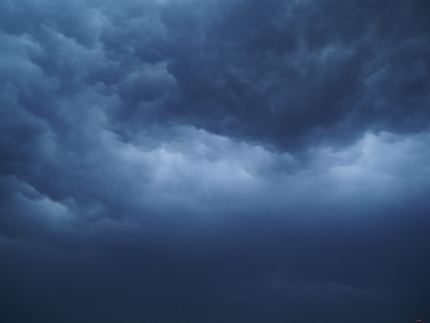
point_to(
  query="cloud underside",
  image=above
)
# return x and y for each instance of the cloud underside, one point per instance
(217, 161)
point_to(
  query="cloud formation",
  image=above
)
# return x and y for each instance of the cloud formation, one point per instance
(217, 161)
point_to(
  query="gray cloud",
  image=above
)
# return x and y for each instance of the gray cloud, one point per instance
(179, 161)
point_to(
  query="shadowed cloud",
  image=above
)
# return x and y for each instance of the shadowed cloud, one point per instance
(216, 161)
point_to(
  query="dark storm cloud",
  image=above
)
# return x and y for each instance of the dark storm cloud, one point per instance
(296, 71)
(217, 161)
(278, 73)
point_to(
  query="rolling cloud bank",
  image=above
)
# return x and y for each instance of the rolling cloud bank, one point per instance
(214, 161)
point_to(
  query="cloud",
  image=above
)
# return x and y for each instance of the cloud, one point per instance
(217, 161)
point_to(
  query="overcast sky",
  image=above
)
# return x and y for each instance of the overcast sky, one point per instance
(214, 161)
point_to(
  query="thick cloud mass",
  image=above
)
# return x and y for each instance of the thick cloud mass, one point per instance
(214, 161)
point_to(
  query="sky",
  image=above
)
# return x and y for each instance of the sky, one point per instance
(216, 161)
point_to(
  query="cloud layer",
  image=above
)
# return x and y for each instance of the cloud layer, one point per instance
(216, 161)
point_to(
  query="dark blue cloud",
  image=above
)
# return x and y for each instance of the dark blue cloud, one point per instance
(225, 161)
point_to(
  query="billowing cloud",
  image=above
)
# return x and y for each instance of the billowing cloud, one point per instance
(217, 161)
